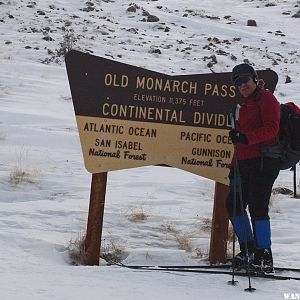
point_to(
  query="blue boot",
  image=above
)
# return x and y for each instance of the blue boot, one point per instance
(263, 259)
(243, 230)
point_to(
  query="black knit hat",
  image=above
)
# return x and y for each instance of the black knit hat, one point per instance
(243, 70)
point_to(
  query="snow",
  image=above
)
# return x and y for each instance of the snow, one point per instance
(38, 135)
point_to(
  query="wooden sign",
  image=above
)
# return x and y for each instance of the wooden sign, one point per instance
(130, 117)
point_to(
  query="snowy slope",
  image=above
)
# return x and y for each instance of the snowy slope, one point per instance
(44, 188)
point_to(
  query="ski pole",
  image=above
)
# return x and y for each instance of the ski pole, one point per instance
(250, 288)
(243, 213)
(294, 180)
(233, 281)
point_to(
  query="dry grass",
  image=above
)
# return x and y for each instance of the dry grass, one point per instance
(19, 175)
(229, 253)
(231, 234)
(201, 253)
(137, 215)
(184, 242)
(183, 239)
(76, 249)
(168, 228)
(206, 224)
(111, 252)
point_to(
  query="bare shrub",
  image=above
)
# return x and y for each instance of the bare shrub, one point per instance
(67, 44)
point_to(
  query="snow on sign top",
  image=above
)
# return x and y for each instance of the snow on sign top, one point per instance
(129, 116)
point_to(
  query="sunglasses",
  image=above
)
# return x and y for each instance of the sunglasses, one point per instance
(242, 80)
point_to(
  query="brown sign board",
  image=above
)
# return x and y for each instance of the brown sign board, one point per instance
(130, 117)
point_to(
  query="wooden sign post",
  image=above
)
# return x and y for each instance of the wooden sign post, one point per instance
(219, 229)
(95, 219)
(122, 111)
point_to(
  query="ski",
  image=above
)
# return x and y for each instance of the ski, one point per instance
(280, 269)
(222, 266)
(221, 271)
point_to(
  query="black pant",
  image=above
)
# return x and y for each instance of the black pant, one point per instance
(257, 180)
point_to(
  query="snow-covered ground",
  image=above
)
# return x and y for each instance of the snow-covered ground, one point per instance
(44, 188)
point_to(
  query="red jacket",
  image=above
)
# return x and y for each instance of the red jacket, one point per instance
(259, 120)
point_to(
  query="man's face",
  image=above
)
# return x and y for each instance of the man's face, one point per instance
(246, 85)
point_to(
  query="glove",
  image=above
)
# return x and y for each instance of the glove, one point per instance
(238, 137)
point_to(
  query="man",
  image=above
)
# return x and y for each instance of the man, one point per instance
(257, 126)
